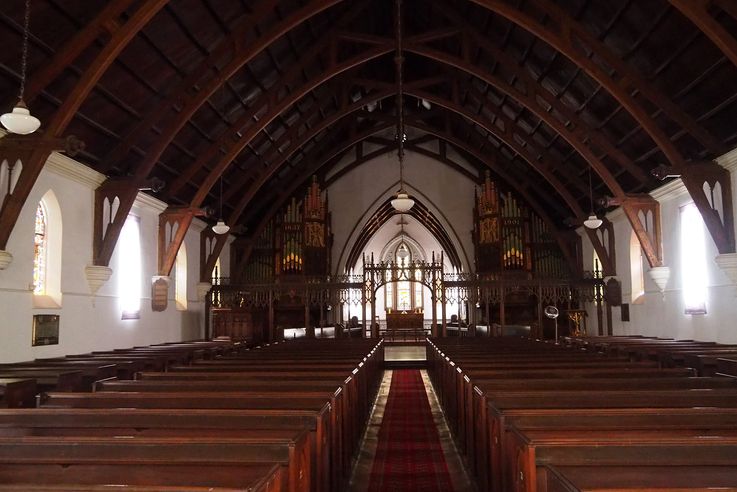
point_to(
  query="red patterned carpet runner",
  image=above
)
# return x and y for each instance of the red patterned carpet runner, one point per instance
(409, 456)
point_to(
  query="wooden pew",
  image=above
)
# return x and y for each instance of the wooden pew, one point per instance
(183, 422)
(535, 449)
(48, 379)
(268, 399)
(474, 416)
(565, 383)
(636, 478)
(146, 461)
(727, 367)
(17, 393)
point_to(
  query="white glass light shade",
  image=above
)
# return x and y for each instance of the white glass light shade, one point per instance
(593, 222)
(20, 120)
(402, 203)
(220, 228)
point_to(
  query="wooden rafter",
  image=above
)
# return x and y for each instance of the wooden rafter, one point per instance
(107, 21)
(189, 96)
(697, 11)
(58, 123)
(574, 41)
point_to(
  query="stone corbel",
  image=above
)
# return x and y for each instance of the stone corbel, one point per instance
(660, 275)
(5, 259)
(97, 276)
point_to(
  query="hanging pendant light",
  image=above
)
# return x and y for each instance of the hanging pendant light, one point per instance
(593, 222)
(402, 203)
(20, 120)
(221, 227)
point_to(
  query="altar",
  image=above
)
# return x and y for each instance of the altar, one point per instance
(405, 325)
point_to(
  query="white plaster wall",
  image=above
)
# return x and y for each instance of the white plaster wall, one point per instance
(356, 196)
(663, 315)
(88, 323)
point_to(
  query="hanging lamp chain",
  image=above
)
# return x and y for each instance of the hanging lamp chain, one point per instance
(400, 94)
(24, 52)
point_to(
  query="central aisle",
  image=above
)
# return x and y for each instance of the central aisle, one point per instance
(409, 455)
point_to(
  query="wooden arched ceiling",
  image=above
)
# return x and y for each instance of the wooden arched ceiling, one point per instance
(187, 90)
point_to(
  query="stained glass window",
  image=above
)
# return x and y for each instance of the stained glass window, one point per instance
(39, 251)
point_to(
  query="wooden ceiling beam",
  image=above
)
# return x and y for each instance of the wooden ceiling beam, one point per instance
(184, 101)
(261, 178)
(106, 21)
(697, 11)
(237, 137)
(572, 39)
(58, 123)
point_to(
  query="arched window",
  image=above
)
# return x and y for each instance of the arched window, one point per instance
(47, 239)
(130, 268)
(636, 270)
(405, 294)
(40, 247)
(693, 260)
(180, 285)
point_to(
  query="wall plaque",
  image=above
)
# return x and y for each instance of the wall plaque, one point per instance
(159, 294)
(45, 329)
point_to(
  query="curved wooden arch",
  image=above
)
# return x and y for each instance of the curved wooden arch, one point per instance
(235, 141)
(564, 41)
(576, 137)
(697, 12)
(104, 22)
(534, 92)
(34, 162)
(505, 137)
(194, 92)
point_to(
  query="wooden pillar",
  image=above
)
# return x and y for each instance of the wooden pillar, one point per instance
(363, 310)
(272, 328)
(374, 325)
(322, 316)
(309, 330)
(488, 319)
(443, 302)
(539, 310)
(434, 300)
(609, 327)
